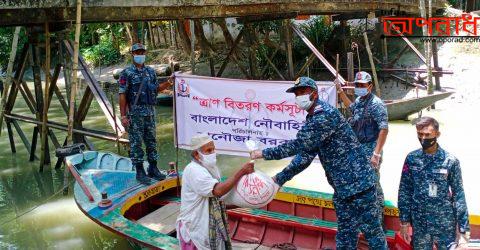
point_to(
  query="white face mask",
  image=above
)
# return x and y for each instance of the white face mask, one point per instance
(209, 160)
(303, 101)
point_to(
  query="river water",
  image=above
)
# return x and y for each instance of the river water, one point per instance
(57, 223)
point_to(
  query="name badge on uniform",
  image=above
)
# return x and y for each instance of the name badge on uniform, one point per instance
(432, 189)
(440, 171)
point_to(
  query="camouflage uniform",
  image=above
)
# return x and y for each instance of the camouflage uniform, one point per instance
(327, 134)
(431, 198)
(142, 115)
(377, 111)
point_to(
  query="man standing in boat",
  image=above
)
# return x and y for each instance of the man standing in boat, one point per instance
(369, 121)
(202, 222)
(431, 197)
(327, 134)
(138, 88)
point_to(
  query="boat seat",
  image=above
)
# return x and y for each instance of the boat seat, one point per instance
(163, 219)
(292, 220)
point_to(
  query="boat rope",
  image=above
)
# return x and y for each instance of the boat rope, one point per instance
(35, 207)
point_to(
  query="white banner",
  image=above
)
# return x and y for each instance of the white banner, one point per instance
(233, 111)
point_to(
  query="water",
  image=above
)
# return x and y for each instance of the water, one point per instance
(57, 223)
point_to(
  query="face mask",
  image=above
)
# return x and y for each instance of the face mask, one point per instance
(139, 59)
(209, 160)
(303, 101)
(361, 91)
(428, 142)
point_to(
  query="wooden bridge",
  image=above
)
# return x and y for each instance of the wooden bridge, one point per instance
(41, 17)
(23, 12)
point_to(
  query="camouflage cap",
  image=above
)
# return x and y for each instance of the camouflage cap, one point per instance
(138, 46)
(303, 82)
(363, 77)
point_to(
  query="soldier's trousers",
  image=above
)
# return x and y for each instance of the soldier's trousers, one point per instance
(355, 211)
(424, 239)
(380, 197)
(142, 128)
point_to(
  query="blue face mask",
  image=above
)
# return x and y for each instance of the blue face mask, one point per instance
(139, 59)
(361, 91)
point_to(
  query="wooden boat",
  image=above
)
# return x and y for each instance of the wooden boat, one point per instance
(164, 99)
(401, 109)
(146, 215)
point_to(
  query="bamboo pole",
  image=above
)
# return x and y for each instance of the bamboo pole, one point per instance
(288, 45)
(43, 138)
(8, 79)
(74, 71)
(427, 45)
(350, 67)
(372, 64)
(192, 45)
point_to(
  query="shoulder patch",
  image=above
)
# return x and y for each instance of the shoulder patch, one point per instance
(405, 168)
(123, 80)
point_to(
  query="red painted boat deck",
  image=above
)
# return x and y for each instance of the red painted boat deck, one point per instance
(283, 224)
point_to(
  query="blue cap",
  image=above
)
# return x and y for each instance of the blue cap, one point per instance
(138, 46)
(303, 82)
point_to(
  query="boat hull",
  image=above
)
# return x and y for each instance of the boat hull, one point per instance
(146, 215)
(401, 109)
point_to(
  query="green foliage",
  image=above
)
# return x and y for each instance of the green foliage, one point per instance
(317, 31)
(100, 43)
(101, 54)
(268, 26)
(6, 38)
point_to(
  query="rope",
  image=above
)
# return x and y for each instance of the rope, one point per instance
(35, 207)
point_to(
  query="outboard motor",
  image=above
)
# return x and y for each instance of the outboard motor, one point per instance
(73, 149)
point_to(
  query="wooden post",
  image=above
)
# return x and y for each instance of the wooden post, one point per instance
(8, 80)
(129, 33)
(23, 137)
(10, 137)
(350, 67)
(175, 35)
(251, 51)
(427, 49)
(192, 46)
(74, 71)
(170, 30)
(385, 50)
(372, 64)
(288, 45)
(184, 37)
(44, 139)
(337, 66)
(34, 144)
(12, 95)
(438, 87)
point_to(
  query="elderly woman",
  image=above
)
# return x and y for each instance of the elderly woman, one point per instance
(202, 223)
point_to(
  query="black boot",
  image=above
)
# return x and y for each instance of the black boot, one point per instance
(154, 173)
(141, 176)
